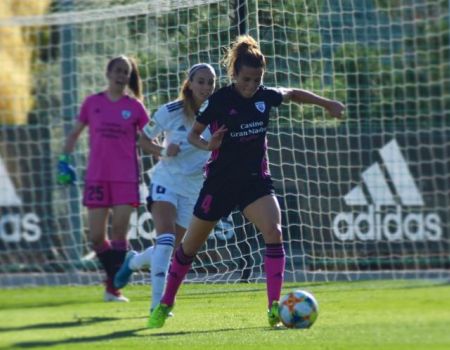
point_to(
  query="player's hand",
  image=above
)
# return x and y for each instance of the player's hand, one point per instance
(66, 171)
(216, 138)
(335, 109)
(173, 149)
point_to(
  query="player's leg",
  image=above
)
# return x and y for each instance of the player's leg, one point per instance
(265, 214)
(162, 255)
(213, 203)
(124, 200)
(207, 210)
(97, 219)
(119, 247)
(97, 197)
(195, 237)
(164, 215)
(163, 224)
(162, 204)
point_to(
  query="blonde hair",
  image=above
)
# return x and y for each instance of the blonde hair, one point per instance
(244, 51)
(190, 106)
(135, 83)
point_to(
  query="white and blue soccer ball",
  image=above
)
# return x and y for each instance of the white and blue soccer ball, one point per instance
(298, 309)
(224, 229)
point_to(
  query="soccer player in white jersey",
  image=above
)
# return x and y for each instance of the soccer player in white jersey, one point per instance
(175, 180)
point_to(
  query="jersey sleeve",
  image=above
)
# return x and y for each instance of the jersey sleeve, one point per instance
(274, 96)
(83, 116)
(206, 113)
(143, 117)
(156, 125)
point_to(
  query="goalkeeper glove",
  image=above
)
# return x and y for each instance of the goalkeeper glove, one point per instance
(66, 171)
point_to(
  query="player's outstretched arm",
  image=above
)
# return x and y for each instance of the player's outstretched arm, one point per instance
(334, 108)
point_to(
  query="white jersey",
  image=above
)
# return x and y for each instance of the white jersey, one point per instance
(183, 173)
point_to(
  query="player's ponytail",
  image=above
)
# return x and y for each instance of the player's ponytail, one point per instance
(188, 100)
(244, 51)
(135, 83)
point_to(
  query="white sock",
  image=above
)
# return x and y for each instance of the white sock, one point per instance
(142, 260)
(160, 265)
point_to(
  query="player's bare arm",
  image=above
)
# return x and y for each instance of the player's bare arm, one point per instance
(73, 137)
(334, 108)
(196, 139)
(152, 146)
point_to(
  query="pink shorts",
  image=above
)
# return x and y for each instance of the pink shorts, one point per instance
(105, 194)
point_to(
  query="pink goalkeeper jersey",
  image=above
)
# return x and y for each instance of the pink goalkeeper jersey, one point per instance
(113, 127)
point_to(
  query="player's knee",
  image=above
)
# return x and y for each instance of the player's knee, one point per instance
(273, 234)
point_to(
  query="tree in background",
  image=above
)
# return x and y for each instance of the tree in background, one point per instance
(16, 53)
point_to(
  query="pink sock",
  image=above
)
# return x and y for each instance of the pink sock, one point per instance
(119, 244)
(274, 262)
(179, 268)
(106, 245)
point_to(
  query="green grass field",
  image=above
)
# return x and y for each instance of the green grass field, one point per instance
(353, 315)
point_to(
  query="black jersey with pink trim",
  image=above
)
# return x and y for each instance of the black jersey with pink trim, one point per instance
(243, 152)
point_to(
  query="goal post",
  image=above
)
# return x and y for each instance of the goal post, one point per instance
(367, 196)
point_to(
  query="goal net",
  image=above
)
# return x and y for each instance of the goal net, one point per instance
(363, 197)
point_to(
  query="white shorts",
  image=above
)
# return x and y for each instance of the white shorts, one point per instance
(183, 205)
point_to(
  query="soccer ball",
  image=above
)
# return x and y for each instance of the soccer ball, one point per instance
(224, 229)
(298, 309)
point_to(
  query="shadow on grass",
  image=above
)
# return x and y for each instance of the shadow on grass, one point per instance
(36, 303)
(119, 335)
(78, 321)
(84, 340)
(170, 334)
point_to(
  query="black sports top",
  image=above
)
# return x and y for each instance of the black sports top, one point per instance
(243, 152)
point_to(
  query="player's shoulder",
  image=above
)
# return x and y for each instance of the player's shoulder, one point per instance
(133, 100)
(94, 97)
(170, 108)
(271, 94)
(173, 106)
(269, 90)
(223, 91)
(220, 95)
(168, 111)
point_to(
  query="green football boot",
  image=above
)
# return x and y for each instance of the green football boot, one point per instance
(159, 316)
(273, 315)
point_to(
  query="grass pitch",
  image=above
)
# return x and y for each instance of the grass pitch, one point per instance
(352, 315)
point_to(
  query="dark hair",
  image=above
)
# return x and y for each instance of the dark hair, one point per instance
(244, 51)
(189, 105)
(135, 83)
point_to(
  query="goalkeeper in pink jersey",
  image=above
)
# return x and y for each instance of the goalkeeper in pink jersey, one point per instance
(115, 118)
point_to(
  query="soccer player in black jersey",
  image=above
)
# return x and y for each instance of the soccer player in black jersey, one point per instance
(237, 173)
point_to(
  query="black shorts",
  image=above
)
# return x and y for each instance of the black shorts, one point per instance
(218, 198)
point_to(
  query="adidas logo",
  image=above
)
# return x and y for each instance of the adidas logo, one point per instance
(9, 197)
(15, 227)
(394, 204)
